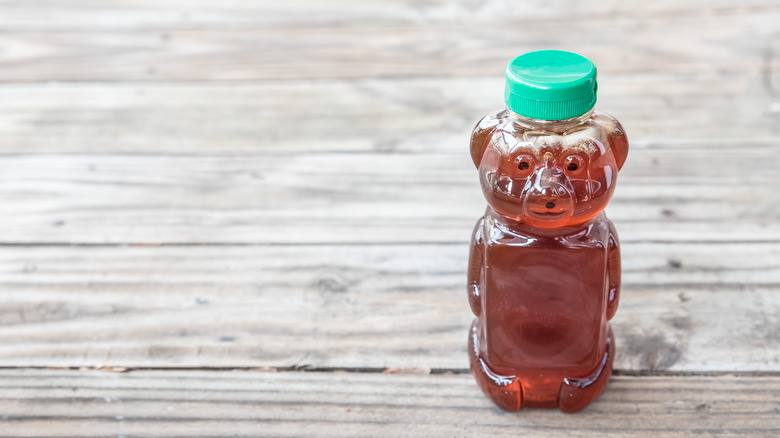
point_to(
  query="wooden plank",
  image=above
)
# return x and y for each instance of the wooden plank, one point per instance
(404, 116)
(668, 194)
(133, 14)
(684, 307)
(685, 44)
(67, 403)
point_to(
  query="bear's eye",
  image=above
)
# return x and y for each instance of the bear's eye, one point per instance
(525, 163)
(574, 164)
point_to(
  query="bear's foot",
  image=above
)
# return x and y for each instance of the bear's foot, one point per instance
(576, 394)
(504, 391)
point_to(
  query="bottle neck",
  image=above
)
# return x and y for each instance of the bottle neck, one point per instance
(548, 125)
(518, 226)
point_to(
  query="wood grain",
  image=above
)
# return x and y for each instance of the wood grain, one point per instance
(664, 194)
(193, 188)
(173, 14)
(67, 403)
(684, 308)
(365, 49)
(394, 115)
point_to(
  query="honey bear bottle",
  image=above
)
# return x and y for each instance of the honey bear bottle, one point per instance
(544, 267)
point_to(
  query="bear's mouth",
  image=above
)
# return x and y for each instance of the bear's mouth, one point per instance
(546, 213)
(548, 209)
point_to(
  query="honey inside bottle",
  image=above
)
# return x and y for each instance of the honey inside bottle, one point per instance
(544, 269)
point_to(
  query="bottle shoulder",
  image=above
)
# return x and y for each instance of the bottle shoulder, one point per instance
(597, 124)
(497, 231)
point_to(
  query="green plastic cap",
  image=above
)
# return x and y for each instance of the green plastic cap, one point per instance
(550, 85)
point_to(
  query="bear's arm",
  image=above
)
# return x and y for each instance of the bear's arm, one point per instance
(613, 269)
(481, 134)
(476, 265)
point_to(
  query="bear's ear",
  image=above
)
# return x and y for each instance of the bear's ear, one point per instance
(480, 137)
(477, 147)
(619, 144)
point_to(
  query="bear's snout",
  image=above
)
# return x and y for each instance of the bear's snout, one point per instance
(549, 194)
(551, 184)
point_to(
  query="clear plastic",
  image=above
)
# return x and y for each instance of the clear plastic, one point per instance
(544, 268)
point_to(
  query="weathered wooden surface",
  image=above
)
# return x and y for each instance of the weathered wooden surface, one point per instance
(222, 185)
(362, 49)
(685, 307)
(370, 115)
(134, 14)
(85, 404)
(669, 193)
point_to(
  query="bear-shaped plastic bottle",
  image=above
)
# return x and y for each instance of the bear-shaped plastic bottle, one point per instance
(544, 268)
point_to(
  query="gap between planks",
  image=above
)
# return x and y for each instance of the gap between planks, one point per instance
(373, 370)
(340, 244)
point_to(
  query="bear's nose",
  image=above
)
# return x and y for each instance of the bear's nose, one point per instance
(550, 205)
(549, 160)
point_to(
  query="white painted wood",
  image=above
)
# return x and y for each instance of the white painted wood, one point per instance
(48, 403)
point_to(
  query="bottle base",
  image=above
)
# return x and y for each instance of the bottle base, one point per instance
(567, 394)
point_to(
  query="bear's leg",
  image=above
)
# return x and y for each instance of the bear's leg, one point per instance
(575, 394)
(505, 391)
